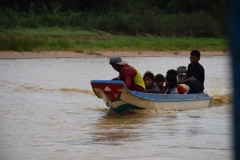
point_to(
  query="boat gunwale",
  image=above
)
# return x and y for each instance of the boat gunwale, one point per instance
(168, 96)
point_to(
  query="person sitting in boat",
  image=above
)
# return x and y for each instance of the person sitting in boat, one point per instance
(159, 81)
(195, 75)
(129, 75)
(171, 84)
(182, 88)
(148, 78)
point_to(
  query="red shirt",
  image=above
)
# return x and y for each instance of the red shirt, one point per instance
(127, 75)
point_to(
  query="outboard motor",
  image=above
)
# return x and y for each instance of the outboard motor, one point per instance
(182, 70)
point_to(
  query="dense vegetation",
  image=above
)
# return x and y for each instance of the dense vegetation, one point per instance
(164, 18)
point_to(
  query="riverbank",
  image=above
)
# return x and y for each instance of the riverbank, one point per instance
(83, 41)
(70, 54)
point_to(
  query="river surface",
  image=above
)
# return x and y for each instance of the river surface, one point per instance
(48, 111)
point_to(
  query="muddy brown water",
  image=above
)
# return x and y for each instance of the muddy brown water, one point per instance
(48, 111)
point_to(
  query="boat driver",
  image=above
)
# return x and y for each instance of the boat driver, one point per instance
(128, 74)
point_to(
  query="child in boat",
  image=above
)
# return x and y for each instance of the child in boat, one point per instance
(159, 81)
(148, 78)
(171, 84)
(195, 75)
(182, 88)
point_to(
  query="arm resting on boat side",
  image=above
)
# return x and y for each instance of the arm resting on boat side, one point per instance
(128, 81)
(184, 79)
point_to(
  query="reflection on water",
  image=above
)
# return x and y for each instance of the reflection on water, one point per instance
(115, 130)
(49, 111)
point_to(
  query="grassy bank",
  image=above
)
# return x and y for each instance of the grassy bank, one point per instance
(75, 39)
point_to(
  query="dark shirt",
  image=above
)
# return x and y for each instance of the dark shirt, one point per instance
(153, 89)
(197, 72)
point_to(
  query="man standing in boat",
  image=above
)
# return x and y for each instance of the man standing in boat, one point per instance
(128, 74)
(195, 75)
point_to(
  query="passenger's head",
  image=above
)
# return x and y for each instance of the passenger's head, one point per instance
(159, 80)
(148, 78)
(172, 71)
(194, 56)
(117, 62)
(171, 81)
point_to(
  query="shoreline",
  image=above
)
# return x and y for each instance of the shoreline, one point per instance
(71, 54)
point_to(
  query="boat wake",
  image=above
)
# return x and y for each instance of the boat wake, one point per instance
(153, 111)
(77, 90)
(36, 88)
(219, 100)
(133, 111)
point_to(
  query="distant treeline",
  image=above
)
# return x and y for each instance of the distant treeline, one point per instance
(166, 18)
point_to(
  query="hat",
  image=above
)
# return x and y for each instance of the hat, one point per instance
(115, 59)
